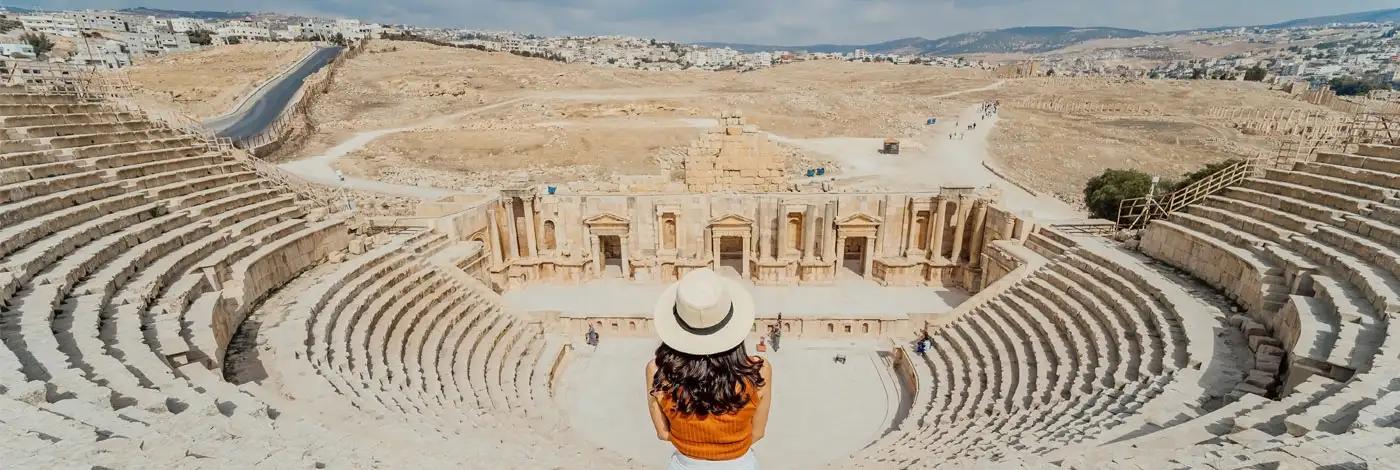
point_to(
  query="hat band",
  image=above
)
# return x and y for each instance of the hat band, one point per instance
(706, 331)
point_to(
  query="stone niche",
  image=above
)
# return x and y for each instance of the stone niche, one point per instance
(735, 157)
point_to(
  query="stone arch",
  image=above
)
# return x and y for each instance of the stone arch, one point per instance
(548, 239)
(668, 232)
(794, 231)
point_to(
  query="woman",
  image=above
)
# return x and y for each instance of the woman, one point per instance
(708, 397)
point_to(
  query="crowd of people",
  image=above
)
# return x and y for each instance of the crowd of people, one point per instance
(988, 109)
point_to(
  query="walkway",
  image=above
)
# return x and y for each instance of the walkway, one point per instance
(931, 160)
(262, 108)
(846, 298)
(321, 168)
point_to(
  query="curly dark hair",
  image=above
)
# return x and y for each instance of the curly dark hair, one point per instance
(713, 384)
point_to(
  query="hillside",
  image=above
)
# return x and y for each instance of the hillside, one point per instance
(199, 14)
(1374, 16)
(1028, 39)
(1035, 39)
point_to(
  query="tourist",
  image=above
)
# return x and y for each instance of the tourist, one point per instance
(591, 337)
(775, 332)
(708, 397)
(924, 345)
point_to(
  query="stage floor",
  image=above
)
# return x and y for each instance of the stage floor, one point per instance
(846, 298)
(822, 410)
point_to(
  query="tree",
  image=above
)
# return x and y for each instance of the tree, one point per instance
(1351, 86)
(1103, 193)
(1255, 74)
(1197, 74)
(200, 37)
(9, 24)
(1198, 175)
(338, 39)
(233, 40)
(40, 42)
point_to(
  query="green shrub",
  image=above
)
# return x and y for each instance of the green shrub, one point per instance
(1103, 193)
(1197, 175)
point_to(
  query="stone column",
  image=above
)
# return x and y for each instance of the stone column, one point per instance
(748, 246)
(514, 241)
(838, 256)
(809, 233)
(910, 220)
(714, 252)
(595, 249)
(961, 220)
(494, 233)
(765, 231)
(935, 243)
(869, 267)
(626, 258)
(978, 220)
(532, 243)
(829, 232)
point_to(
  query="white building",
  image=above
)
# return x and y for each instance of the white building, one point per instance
(244, 30)
(106, 21)
(103, 53)
(181, 25)
(50, 24)
(18, 51)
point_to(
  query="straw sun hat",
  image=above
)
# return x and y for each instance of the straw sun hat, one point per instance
(703, 313)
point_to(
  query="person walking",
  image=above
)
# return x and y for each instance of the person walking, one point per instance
(707, 396)
(591, 337)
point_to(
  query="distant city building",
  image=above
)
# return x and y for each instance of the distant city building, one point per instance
(17, 51)
(50, 24)
(181, 25)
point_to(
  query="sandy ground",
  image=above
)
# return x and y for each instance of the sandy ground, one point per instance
(587, 123)
(212, 81)
(1057, 151)
(603, 393)
(472, 121)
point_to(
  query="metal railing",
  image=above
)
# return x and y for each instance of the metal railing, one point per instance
(1135, 213)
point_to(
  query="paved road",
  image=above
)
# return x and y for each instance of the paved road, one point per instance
(259, 112)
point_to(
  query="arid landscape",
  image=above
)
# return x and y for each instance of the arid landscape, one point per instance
(468, 120)
(1055, 134)
(211, 82)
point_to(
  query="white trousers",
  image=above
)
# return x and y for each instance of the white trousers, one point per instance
(681, 462)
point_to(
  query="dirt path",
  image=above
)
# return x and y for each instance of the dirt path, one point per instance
(931, 160)
(321, 168)
(993, 86)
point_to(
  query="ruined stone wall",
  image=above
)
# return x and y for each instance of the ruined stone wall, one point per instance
(772, 238)
(735, 157)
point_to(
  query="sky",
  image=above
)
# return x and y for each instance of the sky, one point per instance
(772, 22)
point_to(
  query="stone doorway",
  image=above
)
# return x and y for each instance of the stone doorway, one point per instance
(731, 254)
(610, 247)
(853, 255)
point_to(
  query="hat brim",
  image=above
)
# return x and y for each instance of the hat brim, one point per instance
(733, 333)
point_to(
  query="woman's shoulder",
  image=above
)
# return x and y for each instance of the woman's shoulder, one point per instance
(764, 365)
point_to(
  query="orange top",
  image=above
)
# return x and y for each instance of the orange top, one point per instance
(714, 437)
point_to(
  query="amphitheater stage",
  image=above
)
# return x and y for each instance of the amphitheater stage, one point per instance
(846, 298)
(822, 410)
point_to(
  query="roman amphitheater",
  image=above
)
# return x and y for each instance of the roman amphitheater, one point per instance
(171, 300)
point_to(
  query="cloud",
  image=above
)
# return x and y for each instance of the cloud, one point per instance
(784, 22)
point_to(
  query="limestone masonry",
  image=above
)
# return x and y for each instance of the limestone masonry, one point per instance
(169, 301)
(734, 157)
